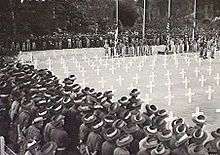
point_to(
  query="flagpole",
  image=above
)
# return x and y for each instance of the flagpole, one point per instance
(144, 20)
(116, 31)
(194, 19)
(168, 23)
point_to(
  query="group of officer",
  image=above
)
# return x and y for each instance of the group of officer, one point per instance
(41, 116)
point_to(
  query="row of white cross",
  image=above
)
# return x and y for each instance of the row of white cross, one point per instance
(114, 64)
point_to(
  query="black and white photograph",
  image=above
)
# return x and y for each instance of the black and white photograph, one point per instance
(109, 77)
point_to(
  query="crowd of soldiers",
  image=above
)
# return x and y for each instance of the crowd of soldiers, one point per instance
(39, 115)
(139, 47)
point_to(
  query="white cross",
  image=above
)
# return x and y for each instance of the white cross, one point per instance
(66, 71)
(217, 110)
(202, 80)
(105, 64)
(49, 64)
(130, 63)
(169, 84)
(200, 62)
(210, 61)
(76, 63)
(197, 71)
(84, 57)
(140, 66)
(113, 89)
(61, 60)
(196, 57)
(118, 63)
(84, 83)
(209, 92)
(120, 79)
(186, 58)
(186, 82)
(126, 67)
(168, 74)
(93, 65)
(182, 73)
(170, 119)
(97, 70)
(147, 98)
(176, 62)
(209, 70)
(152, 64)
(189, 94)
(102, 82)
(188, 62)
(83, 71)
(151, 86)
(35, 63)
(100, 61)
(96, 57)
(217, 78)
(165, 64)
(198, 112)
(112, 69)
(136, 78)
(152, 76)
(169, 97)
(131, 86)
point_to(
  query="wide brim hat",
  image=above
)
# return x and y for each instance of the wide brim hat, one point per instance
(98, 124)
(199, 119)
(138, 118)
(137, 104)
(125, 115)
(151, 108)
(119, 123)
(84, 108)
(66, 100)
(89, 118)
(165, 135)
(57, 108)
(181, 139)
(131, 128)
(200, 136)
(123, 100)
(160, 150)
(114, 108)
(216, 133)
(31, 144)
(181, 128)
(162, 113)
(108, 94)
(124, 140)
(150, 143)
(150, 130)
(49, 148)
(218, 145)
(38, 120)
(109, 119)
(178, 121)
(135, 92)
(111, 134)
(72, 78)
(196, 149)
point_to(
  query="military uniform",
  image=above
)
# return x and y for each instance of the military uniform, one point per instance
(94, 143)
(121, 151)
